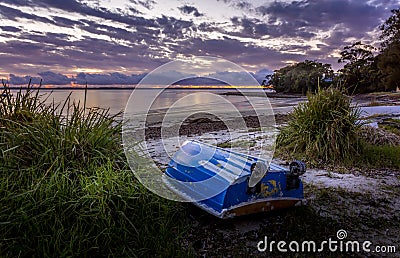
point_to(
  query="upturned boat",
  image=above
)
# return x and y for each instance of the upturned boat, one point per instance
(229, 184)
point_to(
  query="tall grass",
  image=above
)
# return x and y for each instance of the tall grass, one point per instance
(65, 188)
(323, 129)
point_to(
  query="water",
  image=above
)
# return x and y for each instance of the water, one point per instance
(193, 100)
(116, 100)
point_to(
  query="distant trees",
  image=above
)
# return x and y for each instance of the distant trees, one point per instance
(301, 77)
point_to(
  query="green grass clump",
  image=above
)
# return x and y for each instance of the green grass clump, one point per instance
(323, 129)
(65, 188)
(35, 135)
(380, 156)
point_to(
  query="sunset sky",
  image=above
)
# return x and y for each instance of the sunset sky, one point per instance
(54, 38)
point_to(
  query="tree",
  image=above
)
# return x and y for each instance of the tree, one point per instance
(389, 59)
(391, 29)
(360, 73)
(301, 77)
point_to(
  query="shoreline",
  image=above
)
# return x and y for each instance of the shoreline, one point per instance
(198, 126)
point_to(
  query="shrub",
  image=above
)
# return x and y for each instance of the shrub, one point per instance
(67, 136)
(323, 129)
(65, 189)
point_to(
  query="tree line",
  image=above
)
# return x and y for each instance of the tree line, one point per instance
(366, 68)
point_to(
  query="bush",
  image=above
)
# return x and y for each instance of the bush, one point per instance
(324, 129)
(70, 136)
(65, 189)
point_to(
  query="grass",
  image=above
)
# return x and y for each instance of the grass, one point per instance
(65, 188)
(380, 156)
(327, 130)
(324, 129)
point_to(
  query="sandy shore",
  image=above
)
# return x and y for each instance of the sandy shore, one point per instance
(201, 125)
(366, 203)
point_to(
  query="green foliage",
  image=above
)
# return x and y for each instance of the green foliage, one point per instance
(389, 58)
(380, 156)
(360, 73)
(324, 129)
(37, 135)
(389, 64)
(302, 77)
(65, 189)
(391, 29)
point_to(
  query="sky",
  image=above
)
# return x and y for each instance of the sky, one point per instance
(119, 40)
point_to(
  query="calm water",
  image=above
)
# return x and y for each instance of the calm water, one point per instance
(187, 100)
(180, 99)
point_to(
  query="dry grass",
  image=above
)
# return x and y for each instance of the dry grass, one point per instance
(378, 136)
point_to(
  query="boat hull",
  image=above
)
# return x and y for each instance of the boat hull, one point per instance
(218, 181)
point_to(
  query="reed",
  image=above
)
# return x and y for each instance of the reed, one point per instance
(323, 129)
(66, 190)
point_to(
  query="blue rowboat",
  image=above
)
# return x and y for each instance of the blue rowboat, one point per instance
(229, 184)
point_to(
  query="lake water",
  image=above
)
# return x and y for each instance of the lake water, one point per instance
(184, 99)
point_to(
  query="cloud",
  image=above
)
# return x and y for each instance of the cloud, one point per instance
(359, 16)
(65, 22)
(108, 79)
(10, 29)
(261, 74)
(142, 36)
(54, 78)
(48, 77)
(13, 14)
(23, 80)
(190, 10)
(256, 28)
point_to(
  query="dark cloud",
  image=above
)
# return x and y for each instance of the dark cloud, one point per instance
(256, 28)
(122, 79)
(241, 4)
(123, 39)
(108, 79)
(73, 7)
(360, 16)
(13, 14)
(261, 74)
(190, 10)
(244, 5)
(54, 78)
(10, 29)
(147, 3)
(54, 54)
(238, 52)
(81, 78)
(65, 22)
(23, 80)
